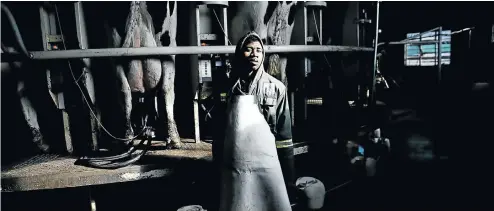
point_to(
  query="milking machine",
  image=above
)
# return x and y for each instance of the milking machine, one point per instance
(211, 30)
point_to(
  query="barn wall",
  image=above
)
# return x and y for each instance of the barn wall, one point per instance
(337, 26)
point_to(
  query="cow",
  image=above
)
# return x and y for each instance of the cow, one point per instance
(142, 80)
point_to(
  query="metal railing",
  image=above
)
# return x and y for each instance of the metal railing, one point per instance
(181, 50)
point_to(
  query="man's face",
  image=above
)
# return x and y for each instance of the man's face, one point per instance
(253, 55)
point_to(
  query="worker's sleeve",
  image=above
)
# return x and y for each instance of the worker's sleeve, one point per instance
(284, 145)
(284, 123)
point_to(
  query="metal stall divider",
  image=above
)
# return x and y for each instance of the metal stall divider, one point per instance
(312, 23)
(87, 77)
(52, 39)
(372, 94)
(180, 50)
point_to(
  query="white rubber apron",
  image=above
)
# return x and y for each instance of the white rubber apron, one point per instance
(251, 177)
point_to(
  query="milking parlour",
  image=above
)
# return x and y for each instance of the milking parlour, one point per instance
(245, 105)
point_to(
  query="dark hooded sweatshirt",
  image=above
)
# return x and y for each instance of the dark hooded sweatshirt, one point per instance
(271, 95)
(273, 105)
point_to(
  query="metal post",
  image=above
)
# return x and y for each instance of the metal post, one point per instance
(225, 25)
(299, 95)
(361, 64)
(196, 96)
(320, 27)
(358, 25)
(470, 38)
(439, 54)
(420, 50)
(372, 96)
(45, 29)
(88, 79)
(49, 32)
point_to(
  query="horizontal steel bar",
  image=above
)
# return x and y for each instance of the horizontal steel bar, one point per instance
(420, 34)
(463, 30)
(412, 42)
(156, 51)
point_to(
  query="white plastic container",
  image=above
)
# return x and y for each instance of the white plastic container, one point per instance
(314, 191)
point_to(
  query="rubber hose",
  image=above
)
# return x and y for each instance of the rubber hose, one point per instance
(116, 157)
(121, 164)
(17, 33)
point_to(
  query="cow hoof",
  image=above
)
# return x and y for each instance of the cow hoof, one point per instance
(174, 145)
(38, 139)
(129, 135)
(44, 148)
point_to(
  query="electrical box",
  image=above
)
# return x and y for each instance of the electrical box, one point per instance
(212, 68)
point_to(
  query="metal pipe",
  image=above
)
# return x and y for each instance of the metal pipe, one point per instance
(412, 42)
(372, 94)
(439, 54)
(462, 30)
(156, 51)
(420, 34)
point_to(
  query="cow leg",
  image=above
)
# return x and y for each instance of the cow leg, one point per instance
(125, 95)
(31, 117)
(167, 37)
(28, 111)
(283, 78)
(168, 93)
(127, 100)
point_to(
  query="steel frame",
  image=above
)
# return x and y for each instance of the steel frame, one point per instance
(439, 42)
(211, 5)
(48, 25)
(372, 94)
(180, 50)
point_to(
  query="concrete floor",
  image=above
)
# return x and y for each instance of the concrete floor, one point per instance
(416, 177)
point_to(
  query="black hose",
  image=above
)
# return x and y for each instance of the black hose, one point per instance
(17, 33)
(117, 161)
(115, 157)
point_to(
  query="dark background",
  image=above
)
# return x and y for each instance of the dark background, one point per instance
(463, 125)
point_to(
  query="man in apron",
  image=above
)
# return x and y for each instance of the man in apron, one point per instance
(248, 77)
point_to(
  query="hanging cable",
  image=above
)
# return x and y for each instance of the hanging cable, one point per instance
(219, 22)
(116, 161)
(17, 33)
(320, 39)
(82, 92)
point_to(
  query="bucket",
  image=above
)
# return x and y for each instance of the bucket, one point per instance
(314, 192)
(192, 208)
